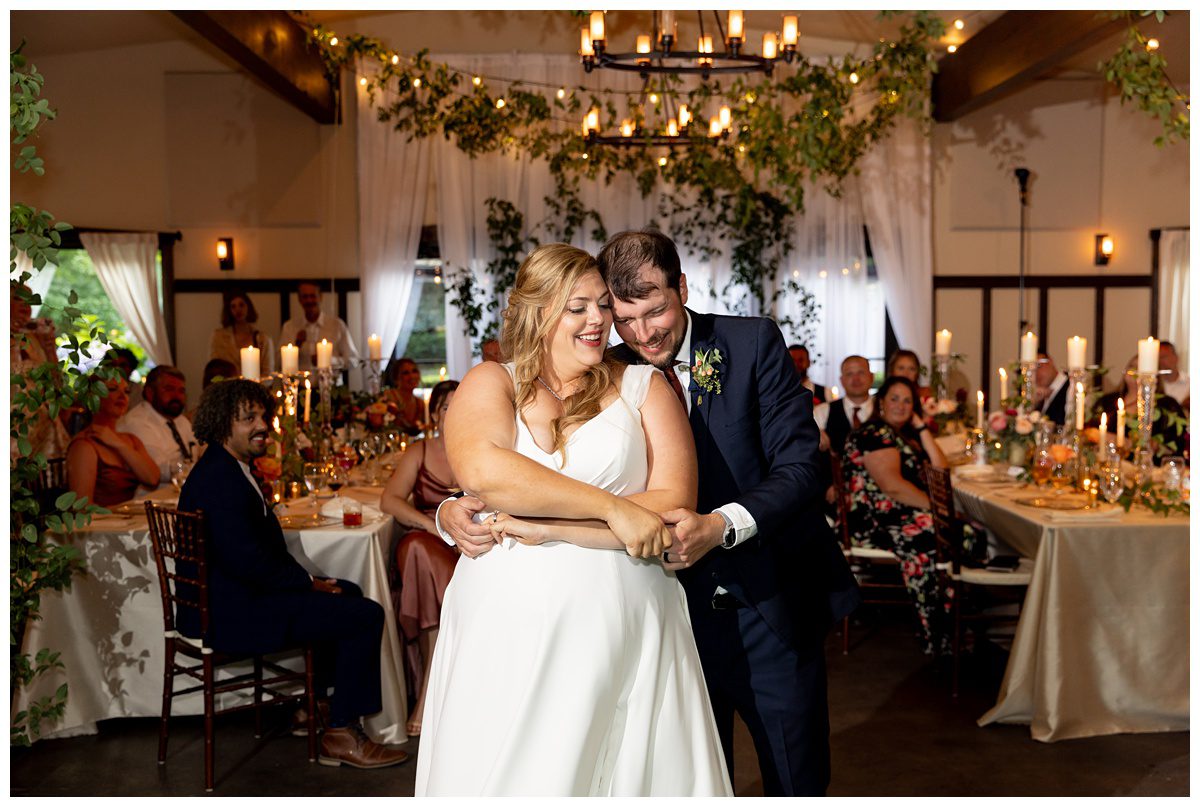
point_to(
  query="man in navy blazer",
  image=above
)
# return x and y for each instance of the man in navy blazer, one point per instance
(762, 570)
(261, 599)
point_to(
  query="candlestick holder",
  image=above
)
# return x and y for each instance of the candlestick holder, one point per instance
(1143, 450)
(941, 386)
(325, 409)
(1028, 369)
(373, 372)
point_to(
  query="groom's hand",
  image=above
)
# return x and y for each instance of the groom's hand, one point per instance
(471, 539)
(695, 535)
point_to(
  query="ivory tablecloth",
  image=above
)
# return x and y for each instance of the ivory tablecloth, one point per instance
(109, 625)
(1103, 640)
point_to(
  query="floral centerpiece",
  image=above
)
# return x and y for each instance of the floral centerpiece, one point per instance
(377, 415)
(946, 415)
(1013, 428)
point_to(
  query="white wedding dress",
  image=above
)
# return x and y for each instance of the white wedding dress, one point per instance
(565, 671)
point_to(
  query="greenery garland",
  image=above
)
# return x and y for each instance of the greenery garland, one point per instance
(743, 190)
(1139, 72)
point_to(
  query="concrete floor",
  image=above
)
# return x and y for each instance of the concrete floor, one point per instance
(895, 732)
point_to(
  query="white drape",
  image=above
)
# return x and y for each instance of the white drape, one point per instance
(127, 268)
(1174, 290)
(39, 281)
(393, 183)
(895, 183)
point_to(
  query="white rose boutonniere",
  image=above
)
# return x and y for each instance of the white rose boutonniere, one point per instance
(705, 374)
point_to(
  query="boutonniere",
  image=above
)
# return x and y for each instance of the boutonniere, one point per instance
(705, 374)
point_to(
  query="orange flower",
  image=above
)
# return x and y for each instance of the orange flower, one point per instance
(1061, 453)
(268, 467)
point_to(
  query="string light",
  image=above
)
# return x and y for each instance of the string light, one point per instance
(561, 93)
(952, 49)
(363, 81)
(1151, 44)
(854, 78)
(395, 59)
(476, 81)
(654, 98)
(959, 24)
(585, 155)
(333, 42)
(662, 162)
(416, 82)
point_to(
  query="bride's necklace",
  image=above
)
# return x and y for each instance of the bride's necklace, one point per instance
(557, 397)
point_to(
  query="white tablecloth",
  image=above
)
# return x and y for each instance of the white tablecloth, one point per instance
(1103, 640)
(109, 625)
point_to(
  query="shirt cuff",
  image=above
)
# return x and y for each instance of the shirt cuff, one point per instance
(744, 527)
(438, 522)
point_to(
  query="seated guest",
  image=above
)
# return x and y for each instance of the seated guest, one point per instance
(215, 370)
(126, 361)
(1175, 383)
(1168, 430)
(105, 464)
(906, 363)
(237, 331)
(423, 561)
(160, 423)
(799, 354)
(260, 599)
(403, 377)
(1050, 390)
(835, 419)
(889, 500)
(491, 351)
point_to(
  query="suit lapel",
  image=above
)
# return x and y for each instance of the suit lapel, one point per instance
(703, 338)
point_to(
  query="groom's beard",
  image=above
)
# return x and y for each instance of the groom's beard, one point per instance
(663, 359)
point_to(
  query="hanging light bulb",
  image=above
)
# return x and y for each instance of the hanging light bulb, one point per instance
(561, 93)
(685, 116)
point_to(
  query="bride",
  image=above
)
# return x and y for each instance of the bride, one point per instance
(566, 663)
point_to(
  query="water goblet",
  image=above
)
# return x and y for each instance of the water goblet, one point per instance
(179, 473)
(314, 476)
(1109, 483)
(1173, 469)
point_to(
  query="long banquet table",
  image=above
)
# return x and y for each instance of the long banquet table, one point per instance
(1103, 639)
(109, 625)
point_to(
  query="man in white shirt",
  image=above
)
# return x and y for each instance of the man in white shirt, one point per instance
(159, 422)
(1175, 383)
(313, 325)
(836, 419)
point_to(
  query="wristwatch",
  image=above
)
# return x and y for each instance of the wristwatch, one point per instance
(728, 538)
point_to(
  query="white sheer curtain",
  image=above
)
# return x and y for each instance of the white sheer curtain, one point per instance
(393, 187)
(127, 268)
(39, 280)
(895, 183)
(1174, 291)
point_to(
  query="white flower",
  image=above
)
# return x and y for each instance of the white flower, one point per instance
(1024, 423)
(1034, 416)
(946, 406)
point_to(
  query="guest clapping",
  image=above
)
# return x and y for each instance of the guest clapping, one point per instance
(889, 500)
(423, 562)
(238, 331)
(106, 465)
(404, 377)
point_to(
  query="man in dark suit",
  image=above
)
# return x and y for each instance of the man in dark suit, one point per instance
(762, 571)
(261, 599)
(800, 360)
(1051, 389)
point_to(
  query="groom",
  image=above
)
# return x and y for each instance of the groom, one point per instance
(762, 571)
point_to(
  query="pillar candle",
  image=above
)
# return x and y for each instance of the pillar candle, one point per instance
(1029, 347)
(375, 345)
(1076, 353)
(979, 406)
(324, 354)
(1003, 384)
(1079, 402)
(307, 398)
(1147, 355)
(250, 363)
(1120, 422)
(289, 359)
(1103, 431)
(942, 343)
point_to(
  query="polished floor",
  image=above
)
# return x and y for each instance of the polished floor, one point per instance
(895, 732)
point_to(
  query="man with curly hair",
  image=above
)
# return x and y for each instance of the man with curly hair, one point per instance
(260, 598)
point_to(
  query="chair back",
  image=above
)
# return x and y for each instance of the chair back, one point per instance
(843, 498)
(941, 504)
(52, 478)
(178, 536)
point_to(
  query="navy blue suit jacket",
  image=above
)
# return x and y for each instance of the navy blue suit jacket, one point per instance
(756, 443)
(248, 562)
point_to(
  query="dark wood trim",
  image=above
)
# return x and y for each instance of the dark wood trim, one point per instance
(1156, 277)
(286, 285)
(1040, 281)
(71, 239)
(986, 354)
(1011, 52)
(166, 248)
(273, 48)
(1043, 319)
(1098, 334)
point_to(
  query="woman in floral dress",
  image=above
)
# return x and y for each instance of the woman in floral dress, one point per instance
(889, 502)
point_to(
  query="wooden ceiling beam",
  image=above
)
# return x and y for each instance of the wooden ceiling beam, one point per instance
(1010, 53)
(274, 48)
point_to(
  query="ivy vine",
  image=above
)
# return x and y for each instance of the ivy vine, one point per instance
(1139, 73)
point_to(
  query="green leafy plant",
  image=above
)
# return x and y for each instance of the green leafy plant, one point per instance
(45, 390)
(1155, 499)
(1139, 72)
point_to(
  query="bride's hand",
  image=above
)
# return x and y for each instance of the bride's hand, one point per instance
(526, 532)
(642, 532)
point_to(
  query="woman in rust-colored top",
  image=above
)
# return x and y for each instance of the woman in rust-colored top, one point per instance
(106, 465)
(423, 563)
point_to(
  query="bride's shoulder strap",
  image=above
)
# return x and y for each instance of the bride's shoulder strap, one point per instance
(635, 383)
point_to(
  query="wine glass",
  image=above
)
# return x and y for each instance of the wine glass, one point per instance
(1109, 483)
(1173, 470)
(373, 446)
(1064, 470)
(1039, 469)
(179, 473)
(314, 476)
(336, 478)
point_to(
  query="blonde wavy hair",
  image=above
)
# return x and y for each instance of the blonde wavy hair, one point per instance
(535, 305)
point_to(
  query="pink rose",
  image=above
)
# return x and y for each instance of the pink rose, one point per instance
(997, 422)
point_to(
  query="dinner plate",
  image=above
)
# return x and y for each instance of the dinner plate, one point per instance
(300, 522)
(1053, 502)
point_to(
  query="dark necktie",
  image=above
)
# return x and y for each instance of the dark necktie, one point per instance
(673, 380)
(183, 449)
(855, 420)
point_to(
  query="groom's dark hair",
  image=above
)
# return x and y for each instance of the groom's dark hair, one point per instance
(624, 255)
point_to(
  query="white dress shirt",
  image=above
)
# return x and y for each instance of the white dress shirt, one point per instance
(1179, 389)
(865, 409)
(152, 429)
(1055, 386)
(326, 327)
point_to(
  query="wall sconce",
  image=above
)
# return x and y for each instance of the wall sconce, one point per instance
(225, 254)
(1104, 248)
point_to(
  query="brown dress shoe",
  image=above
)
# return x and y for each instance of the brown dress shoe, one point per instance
(351, 746)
